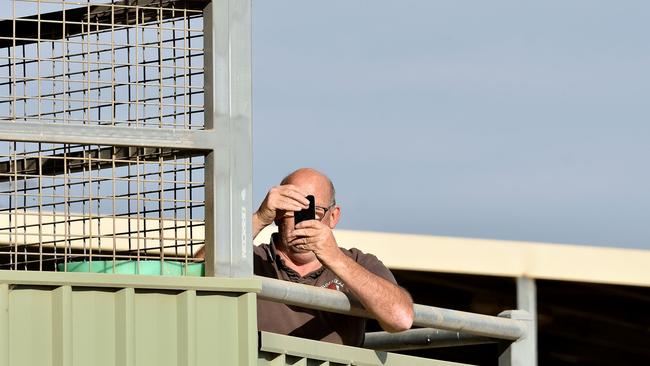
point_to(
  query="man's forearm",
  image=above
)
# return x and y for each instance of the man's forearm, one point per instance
(391, 305)
(258, 225)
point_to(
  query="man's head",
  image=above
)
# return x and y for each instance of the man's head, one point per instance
(309, 176)
(310, 181)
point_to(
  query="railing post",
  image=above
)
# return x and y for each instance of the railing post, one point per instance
(522, 351)
(228, 167)
(527, 300)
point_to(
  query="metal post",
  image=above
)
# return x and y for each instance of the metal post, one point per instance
(228, 168)
(527, 300)
(522, 351)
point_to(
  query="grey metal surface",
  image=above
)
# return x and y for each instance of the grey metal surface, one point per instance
(101, 132)
(106, 135)
(65, 203)
(477, 324)
(308, 296)
(522, 351)
(136, 63)
(525, 350)
(229, 241)
(527, 300)
(425, 316)
(157, 75)
(421, 338)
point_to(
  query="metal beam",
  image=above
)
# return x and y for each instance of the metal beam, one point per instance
(227, 43)
(420, 339)
(105, 135)
(522, 351)
(425, 316)
(105, 157)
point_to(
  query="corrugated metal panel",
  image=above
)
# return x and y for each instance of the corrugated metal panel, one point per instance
(281, 350)
(69, 319)
(108, 322)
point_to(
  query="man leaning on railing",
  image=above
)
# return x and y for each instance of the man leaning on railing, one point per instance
(308, 253)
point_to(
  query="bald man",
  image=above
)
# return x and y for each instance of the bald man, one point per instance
(308, 253)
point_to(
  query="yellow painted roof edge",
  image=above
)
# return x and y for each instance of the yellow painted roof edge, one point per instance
(579, 263)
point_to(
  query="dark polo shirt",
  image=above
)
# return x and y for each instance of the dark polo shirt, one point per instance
(307, 323)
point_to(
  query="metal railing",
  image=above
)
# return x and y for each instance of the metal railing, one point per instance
(442, 327)
(422, 338)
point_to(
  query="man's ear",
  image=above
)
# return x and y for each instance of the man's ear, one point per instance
(334, 216)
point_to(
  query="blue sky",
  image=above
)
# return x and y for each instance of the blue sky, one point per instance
(503, 119)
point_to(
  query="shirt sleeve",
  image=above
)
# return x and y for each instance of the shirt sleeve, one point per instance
(373, 264)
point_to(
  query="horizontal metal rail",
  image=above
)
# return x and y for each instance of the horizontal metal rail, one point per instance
(106, 135)
(422, 338)
(477, 324)
(425, 316)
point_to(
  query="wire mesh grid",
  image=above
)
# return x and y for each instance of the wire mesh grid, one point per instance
(128, 63)
(65, 203)
(133, 63)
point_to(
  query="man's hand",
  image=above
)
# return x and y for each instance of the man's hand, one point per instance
(313, 235)
(279, 198)
(391, 305)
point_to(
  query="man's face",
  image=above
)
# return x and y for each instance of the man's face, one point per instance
(322, 214)
(286, 223)
(322, 197)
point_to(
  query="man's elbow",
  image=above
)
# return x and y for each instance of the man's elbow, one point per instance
(402, 320)
(406, 319)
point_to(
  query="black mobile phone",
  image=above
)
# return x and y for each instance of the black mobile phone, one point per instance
(306, 214)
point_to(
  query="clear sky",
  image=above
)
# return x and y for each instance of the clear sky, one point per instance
(493, 119)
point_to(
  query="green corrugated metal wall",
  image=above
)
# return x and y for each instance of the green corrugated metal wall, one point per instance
(74, 319)
(282, 350)
(100, 320)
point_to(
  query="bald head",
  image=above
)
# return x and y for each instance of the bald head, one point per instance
(320, 182)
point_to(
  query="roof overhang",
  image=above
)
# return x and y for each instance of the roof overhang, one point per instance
(579, 263)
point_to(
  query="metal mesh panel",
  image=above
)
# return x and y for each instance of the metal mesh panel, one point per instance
(133, 63)
(63, 203)
(129, 63)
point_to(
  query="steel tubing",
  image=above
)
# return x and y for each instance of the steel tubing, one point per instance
(421, 338)
(425, 316)
(477, 324)
(309, 297)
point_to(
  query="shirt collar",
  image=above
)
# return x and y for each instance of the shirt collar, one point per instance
(280, 265)
(272, 253)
